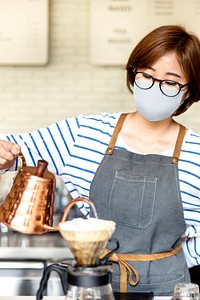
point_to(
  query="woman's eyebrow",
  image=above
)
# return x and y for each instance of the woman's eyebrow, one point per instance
(173, 74)
(168, 73)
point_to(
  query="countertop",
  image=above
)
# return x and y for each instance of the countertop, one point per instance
(48, 246)
(55, 298)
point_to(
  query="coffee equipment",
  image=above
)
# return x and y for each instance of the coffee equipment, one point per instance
(88, 277)
(29, 206)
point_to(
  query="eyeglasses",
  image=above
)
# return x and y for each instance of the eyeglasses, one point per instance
(169, 88)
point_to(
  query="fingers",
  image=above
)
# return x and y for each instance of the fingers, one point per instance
(15, 149)
(8, 154)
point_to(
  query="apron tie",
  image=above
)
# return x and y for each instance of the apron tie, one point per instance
(125, 267)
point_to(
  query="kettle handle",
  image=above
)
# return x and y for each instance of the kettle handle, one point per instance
(61, 269)
(23, 161)
(67, 209)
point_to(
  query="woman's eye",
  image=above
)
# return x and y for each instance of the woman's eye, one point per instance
(171, 83)
(147, 76)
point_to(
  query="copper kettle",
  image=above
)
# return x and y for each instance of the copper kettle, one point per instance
(29, 206)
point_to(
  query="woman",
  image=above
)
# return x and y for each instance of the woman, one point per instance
(140, 169)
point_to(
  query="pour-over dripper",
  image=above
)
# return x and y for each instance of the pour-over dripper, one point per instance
(86, 238)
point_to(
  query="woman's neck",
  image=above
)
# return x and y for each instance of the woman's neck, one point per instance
(151, 137)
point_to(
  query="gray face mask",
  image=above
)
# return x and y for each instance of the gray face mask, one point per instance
(153, 105)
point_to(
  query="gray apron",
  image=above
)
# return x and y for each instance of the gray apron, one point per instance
(141, 194)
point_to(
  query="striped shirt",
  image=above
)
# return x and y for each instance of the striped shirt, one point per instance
(75, 147)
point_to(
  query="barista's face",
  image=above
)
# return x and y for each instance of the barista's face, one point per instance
(159, 89)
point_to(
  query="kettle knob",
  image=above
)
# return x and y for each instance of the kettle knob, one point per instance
(41, 167)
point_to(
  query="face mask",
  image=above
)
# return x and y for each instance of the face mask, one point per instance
(153, 105)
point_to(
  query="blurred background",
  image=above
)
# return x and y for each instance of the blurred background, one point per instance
(80, 51)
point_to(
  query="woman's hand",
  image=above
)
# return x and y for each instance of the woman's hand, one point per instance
(8, 153)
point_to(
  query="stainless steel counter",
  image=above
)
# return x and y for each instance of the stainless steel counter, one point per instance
(23, 258)
(48, 246)
(61, 298)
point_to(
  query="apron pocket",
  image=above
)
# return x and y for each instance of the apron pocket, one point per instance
(137, 198)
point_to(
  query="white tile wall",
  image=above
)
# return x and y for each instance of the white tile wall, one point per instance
(31, 97)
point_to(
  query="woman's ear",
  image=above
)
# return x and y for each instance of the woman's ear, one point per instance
(183, 105)
(186, 96)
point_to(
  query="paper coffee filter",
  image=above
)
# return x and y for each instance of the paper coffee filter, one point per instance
(86, 238)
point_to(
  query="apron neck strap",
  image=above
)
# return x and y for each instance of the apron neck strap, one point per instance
(118, 127)
(116, 131)
(178, 145)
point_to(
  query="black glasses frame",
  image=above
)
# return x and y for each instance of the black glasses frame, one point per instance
(160, 83)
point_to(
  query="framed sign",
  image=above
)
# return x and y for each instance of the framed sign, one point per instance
(24, 32)
(118, 25)
(112, 26)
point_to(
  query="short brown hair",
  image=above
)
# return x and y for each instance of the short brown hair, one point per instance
(162, 40)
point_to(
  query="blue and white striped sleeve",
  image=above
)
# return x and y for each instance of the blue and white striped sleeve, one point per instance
(52, 143)
(189, 178)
